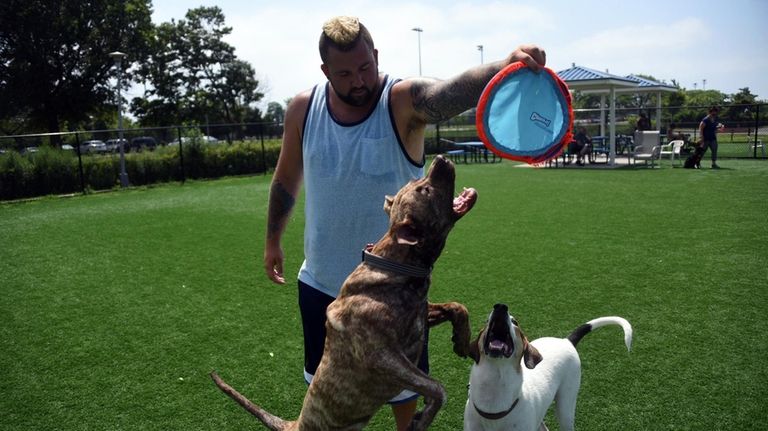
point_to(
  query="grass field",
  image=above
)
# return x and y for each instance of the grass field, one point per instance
(116, 306)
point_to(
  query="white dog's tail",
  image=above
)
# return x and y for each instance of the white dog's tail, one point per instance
(586, 328)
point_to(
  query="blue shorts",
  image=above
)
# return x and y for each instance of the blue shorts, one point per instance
(312, 304)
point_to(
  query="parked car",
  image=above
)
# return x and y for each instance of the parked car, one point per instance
(148, 142)
(93, 146)
(189, 139)
(113, 145)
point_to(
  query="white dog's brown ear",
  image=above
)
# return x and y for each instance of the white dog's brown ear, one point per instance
(388, 201)
(531, 355)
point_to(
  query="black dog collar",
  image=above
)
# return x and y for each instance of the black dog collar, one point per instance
(396, 267)
(495, 416)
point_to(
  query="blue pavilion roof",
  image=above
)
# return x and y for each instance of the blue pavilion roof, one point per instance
(581, 73)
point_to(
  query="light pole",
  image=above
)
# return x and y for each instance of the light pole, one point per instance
(480, 48)
(418, 30)
(118, 57)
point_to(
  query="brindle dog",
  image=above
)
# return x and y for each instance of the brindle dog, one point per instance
(376, 326)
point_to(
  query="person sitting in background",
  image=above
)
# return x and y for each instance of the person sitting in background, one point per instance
(581, 145)
(643, 123)
(673, 134)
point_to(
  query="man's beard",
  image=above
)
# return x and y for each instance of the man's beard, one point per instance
(356, 99)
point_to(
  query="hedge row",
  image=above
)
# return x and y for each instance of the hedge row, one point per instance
(54, 171)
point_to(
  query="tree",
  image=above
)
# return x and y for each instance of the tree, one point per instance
(275, 113)
(54, 62)
(740, 112)
(195, 76)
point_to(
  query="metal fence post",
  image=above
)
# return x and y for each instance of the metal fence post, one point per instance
(80, 163)
(757, 130)
(181, 157)
(263, 151)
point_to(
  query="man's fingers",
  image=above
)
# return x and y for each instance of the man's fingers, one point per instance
(533, 56)
(274, 270)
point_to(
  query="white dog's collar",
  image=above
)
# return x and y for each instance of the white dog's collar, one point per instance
(495, 416)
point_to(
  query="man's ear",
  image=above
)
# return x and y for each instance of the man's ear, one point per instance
(326, 72)
(388, 201)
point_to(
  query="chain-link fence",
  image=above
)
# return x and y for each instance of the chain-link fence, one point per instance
(82, 161)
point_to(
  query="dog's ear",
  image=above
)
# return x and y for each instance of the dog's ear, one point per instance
(531, 355)
(388, 201)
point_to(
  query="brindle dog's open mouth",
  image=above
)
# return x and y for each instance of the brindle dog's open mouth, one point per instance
(464, 202)
(498, 338)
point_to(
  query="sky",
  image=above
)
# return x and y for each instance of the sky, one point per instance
(699, 44)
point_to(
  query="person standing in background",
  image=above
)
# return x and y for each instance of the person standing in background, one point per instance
(708, 131)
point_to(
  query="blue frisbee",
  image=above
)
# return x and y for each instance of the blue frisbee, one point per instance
(525, 115)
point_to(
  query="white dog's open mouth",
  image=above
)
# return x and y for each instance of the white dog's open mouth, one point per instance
(498, 340)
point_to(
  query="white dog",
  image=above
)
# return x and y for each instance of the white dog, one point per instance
(504, 395)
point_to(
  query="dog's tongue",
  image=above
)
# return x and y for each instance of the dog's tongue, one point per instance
(498, 346)
(465, 201)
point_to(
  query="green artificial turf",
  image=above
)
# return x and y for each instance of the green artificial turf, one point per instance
(116, 306)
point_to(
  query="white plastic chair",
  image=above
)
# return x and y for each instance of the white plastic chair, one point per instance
(646, 148)
(672, 148)
(645, 155)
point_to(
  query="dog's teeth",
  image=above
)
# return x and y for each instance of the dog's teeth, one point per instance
(497, 345)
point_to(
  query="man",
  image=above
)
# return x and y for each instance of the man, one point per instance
(643, 123)
(353, 140)
(708, 132)
(581, 145)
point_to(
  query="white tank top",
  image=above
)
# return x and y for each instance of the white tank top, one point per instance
(348, 169)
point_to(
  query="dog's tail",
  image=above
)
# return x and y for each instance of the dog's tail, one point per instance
(586, 328)
(268, 419)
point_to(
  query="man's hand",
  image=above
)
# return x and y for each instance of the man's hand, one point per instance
(533, 56)
(273, 264)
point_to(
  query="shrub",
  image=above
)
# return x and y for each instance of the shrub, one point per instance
(54, 171)
(15, 173)
(101, 172)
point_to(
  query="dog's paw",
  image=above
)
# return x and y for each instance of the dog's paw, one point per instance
(436, 316)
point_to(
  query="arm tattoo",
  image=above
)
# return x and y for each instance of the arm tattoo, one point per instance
(280, 205)
(441, 100)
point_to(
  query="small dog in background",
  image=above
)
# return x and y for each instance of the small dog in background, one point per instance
(513, 382)
(694, 160)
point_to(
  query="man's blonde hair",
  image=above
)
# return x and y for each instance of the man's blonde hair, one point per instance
(342, 29)
(343, 33)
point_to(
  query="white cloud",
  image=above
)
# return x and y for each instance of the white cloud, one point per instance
(684, 43)
(635, 47)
